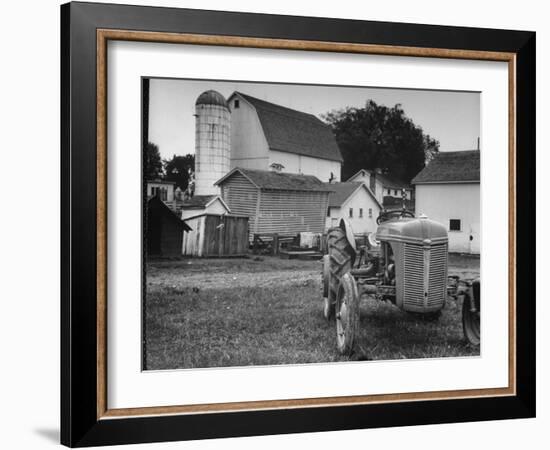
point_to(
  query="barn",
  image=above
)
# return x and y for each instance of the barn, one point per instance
(354, 202)
(163, 229)
(265, 135)
(276, 202)
(448, 191)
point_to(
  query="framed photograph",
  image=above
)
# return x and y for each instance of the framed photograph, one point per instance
(276, 224)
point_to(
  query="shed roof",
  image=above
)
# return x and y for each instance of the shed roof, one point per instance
(197, 201)
(342, 191)
(292, 131)
(155, 203)
(281, 181)
(451, 167)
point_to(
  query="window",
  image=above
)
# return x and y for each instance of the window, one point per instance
(351, 213)
(236, 104)
(360, 212)
(454, 225)
(328, 211)
(395, 192)
(389, 191)
(370, 213)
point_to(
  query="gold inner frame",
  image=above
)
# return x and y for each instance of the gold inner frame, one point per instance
(104, 35)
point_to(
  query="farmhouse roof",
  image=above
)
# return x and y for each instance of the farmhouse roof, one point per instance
(390, 182)
(292, 131)
(387, 181)
(342, 191)
(280, 181)
(451, 167)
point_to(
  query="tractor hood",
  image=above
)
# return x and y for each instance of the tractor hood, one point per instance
(419, 230)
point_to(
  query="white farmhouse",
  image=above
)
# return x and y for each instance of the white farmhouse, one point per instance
(354, 202)
(447, 191)
(383, 185)
(267, 136)
(164, 190)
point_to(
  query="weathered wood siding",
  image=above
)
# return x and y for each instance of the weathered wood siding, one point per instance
(241, 196)
(216, 235)
(291, 212)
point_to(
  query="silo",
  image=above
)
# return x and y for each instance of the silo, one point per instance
(212, 141)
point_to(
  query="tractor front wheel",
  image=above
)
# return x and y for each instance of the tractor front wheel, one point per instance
(328, 305)
(470, 320)
(347, 314)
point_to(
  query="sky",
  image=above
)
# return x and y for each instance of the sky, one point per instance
(453, 118)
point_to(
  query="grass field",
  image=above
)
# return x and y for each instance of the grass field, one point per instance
(263, 311)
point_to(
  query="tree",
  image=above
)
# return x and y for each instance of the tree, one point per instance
(152, 164)
(177, 169)
(380, 137)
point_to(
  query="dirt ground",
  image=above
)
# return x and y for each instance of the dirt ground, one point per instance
(267, 310)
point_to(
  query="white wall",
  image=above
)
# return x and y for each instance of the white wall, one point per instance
(168, 186)
(361, 199)
(442, 202)
(248, 144)
(216, 207)
(34, 362)
(293, 163)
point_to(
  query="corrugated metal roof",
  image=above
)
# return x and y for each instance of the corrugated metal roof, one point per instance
(451, 167)
(342, 191)
(292, 131)
(281, 181)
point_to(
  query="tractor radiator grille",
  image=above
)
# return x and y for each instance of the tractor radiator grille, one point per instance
(425, 277)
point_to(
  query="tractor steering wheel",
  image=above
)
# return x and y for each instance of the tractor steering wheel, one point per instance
(393, 213)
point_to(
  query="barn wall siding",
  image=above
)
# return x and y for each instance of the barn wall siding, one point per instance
(241, 196)
(292, 212)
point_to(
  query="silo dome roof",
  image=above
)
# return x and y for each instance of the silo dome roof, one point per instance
(211, 98)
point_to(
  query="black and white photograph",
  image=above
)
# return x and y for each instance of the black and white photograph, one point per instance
(298, 224)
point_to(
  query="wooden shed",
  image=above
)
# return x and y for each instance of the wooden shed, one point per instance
(216, 235)
(163, 229)
(276, 202)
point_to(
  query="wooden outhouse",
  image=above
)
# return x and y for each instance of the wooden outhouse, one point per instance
(276, 202)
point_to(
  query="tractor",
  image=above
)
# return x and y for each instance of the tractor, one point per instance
(404, 262)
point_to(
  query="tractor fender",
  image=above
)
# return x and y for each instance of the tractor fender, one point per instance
(346, 227)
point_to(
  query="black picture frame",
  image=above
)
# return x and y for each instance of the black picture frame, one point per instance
(80, 425)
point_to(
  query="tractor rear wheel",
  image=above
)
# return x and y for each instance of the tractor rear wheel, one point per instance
(471, 320)
(341, 256)
(347, 314)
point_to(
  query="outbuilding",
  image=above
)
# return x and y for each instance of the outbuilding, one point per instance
(276, 202)
(448, 191)
(163, 229)
(203, 204)
(354, 202)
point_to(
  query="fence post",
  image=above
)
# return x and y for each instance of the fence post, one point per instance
(276, 244)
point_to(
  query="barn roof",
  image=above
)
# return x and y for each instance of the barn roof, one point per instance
(280, 181)
(342, 191)
(451, 167)
(291, 131)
